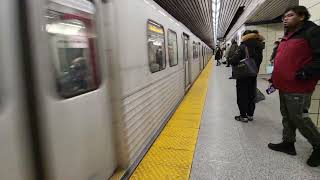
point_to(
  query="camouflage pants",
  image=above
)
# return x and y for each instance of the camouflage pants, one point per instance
(294, 109)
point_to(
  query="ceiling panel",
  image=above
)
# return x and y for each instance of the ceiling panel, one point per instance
(194, 14)
(268, 10)
(228, 9)
(271, 9)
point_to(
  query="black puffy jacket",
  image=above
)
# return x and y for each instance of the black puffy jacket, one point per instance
(218, 54)
(255, 47)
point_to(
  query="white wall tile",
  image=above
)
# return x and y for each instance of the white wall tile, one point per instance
(314, 118)
(308, 3)
(314, 108)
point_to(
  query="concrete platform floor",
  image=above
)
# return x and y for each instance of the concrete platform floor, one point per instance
(228, 149)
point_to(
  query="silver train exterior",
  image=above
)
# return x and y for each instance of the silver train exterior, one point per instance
(88, 85)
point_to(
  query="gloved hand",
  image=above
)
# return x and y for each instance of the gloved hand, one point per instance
(302, 75)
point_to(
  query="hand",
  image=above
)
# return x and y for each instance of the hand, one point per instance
(301, 75)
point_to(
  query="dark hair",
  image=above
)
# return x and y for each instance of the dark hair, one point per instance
(300, 11)
(255, 31)
(246, 32)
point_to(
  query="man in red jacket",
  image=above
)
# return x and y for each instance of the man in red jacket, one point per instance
(296, 73)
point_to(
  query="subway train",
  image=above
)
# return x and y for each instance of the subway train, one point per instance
(87, 85)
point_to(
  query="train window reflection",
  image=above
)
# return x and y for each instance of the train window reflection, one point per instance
(72, 38)
(172, 48)
(156, 47)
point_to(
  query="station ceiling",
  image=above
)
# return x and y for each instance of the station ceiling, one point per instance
(194, 14)
(228, 9)
(267, 11)
(271, 9)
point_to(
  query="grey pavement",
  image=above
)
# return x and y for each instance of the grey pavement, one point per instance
(228, 149)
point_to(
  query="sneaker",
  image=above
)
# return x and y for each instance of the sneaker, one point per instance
(285, 147)
(240, 118)
(314, 160)
(250, 118)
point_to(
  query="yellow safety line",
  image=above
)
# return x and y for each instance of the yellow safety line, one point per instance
(171, 155)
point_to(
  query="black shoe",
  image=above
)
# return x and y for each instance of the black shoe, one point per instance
(285, 147)
(231, 77)
(250, 118)
(228, 66)
(242, 119)
(314, 160)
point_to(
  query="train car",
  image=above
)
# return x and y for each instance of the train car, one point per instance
(159, 59)
(16, 160)
(89, 84)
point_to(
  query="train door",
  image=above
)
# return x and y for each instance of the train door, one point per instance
(71, 86)
(15, 155)
(186, 60)
(200, 56)
(203, 57)
(207, 56)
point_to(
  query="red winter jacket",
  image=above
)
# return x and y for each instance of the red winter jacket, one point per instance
(297, 62)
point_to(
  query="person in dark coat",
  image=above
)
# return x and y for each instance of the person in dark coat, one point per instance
(246, 87)
(274, 52)
(296, 74)
(231, 51)
(218, 56)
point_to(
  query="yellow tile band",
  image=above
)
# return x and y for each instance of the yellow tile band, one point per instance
(171, 155)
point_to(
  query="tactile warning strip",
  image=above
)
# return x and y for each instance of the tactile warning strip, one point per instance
(171, 155)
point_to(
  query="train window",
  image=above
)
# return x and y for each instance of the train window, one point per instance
(172, 48)
(194, 48)
(156, 46)
(195, 51)
(72, 36)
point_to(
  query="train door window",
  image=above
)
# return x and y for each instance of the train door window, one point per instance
(198, 51)
(172, 48)
(72, 36)
(185, 47)
(194, 52)
(2, 89)
(156, 46)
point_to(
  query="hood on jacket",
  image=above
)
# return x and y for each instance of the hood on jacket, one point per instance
(253, 40)
(252, 36)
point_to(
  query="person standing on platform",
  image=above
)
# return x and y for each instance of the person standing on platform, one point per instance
(246, 87)
(218, 55)
(295, 75)
(231, 51)
(274, 52)
(225, 53)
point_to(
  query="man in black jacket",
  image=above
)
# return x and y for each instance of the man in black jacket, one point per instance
(246, 87)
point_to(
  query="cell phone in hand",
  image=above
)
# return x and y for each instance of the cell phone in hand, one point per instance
(271, 89)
